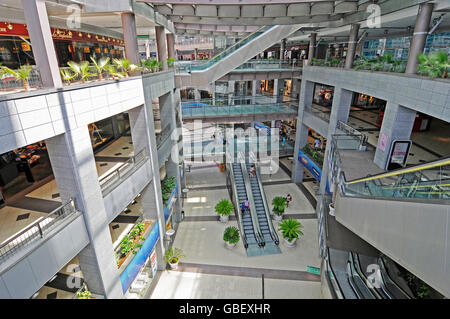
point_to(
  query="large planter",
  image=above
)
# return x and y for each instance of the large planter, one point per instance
(331, 212)
(230, 246)
(277, 218)
(174, 266)
(224, 219)
(291, 243)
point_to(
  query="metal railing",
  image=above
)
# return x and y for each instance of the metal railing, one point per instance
(117, 176)
(36, 230)
(163, 136)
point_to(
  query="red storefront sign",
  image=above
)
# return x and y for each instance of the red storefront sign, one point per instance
(16, 29)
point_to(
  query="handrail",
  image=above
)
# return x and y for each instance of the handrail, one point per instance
(235, 44)
(415, 168)
(35, 230)
(259, 236)
(361, 274)
(273, 233)
(367, 293)
(383, 271)
(124, 170)
(334, 282)
(236, 205)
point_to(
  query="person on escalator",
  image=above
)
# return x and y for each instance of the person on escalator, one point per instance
(243, 208)
(252, 171)
(247, 205)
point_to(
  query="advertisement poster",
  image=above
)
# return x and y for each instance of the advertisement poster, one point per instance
(383, 142)
(153, 263)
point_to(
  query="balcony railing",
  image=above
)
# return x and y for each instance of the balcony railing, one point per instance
(108, 182)
(36, 230)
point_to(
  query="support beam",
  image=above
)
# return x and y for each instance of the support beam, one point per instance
(312, 47)
(44, 51)
(161, 46)
(171, 46)
(130, 37)
(352, 42)
(419, 37)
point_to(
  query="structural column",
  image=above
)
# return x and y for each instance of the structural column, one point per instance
(312, 47)
(143, 137)
(44, 52)
(171, 46)
(282, 49)
(419, 37)
(340, 111)
(254, 83)
(353, 40)
(130, 37)
(161, 46)
(398, 122)
(301, 137)
(73, 165)
(231, 92)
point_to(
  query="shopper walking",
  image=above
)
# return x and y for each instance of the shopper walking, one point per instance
(288, 199)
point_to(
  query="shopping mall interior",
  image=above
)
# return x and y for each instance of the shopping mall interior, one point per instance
(238, 149)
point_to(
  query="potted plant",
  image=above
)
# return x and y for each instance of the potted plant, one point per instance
(100, 66)
(170, 62)
(126, 66)
(173, 256)
(434, 65)
(67, 75)
(81, 69)
(231, 236)
(224, 209)
(22, 74)
(291, 229)
(279, 205)
(85, 294)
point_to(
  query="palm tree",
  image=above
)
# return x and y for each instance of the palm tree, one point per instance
(126, 65)
(435, 64)
(67, 75)
(101, 65)
(22, 74)
(113, 72)
(81, 69)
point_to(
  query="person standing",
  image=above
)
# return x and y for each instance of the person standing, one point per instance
(317, 144)
(288, 199)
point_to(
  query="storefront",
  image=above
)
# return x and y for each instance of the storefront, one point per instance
(104, 131)
(367, 101)
(323, 94)
(16, 50)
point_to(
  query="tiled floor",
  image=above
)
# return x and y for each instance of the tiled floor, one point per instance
(202, 244)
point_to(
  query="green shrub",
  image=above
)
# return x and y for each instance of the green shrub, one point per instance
(291, 229)
(224, 207)
(231, 235)
(173, 255)
(279, 204)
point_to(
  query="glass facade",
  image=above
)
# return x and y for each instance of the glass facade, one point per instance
(399, 47)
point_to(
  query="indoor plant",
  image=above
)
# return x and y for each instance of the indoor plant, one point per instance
(291, 229)
(434, 64)
(100, 66)
(173, 256)
(81, 69)
(279, 204)
(126, 66)
(224, 209)
(231, 236)
(22, 74)
(85, 294)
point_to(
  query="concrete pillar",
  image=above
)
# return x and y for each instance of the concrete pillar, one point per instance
(301, 137)
(73, 165)
(282, 49)
(161, 46)
(197, 94)
(398, 122)
(340, 111)
(278, 85)
(419, 37)
(353, 40)
(147, 49)
(254, 88)
(130, 37)
(44, 52)
(231, 85)
(195, 54)
(171, 46)
(312, 47)
(142, 134)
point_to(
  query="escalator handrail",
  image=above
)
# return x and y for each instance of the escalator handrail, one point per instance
(363, 276)
(237, 206)
(383, 271)
(256, 228)
(339, 293)
(273, 233)
(214, 58)
(354, 274)
(401, 171)
(351, 281)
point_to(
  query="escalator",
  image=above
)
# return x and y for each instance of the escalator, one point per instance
(263, 213)
(202, 74)
(403, 214)
(236, 184)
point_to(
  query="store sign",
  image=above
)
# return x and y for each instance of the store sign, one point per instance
(153, 262)
(383, 142)
(399, 154)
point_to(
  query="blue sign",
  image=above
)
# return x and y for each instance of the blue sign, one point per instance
(132, 270)
(262, 128)
(315, 171)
